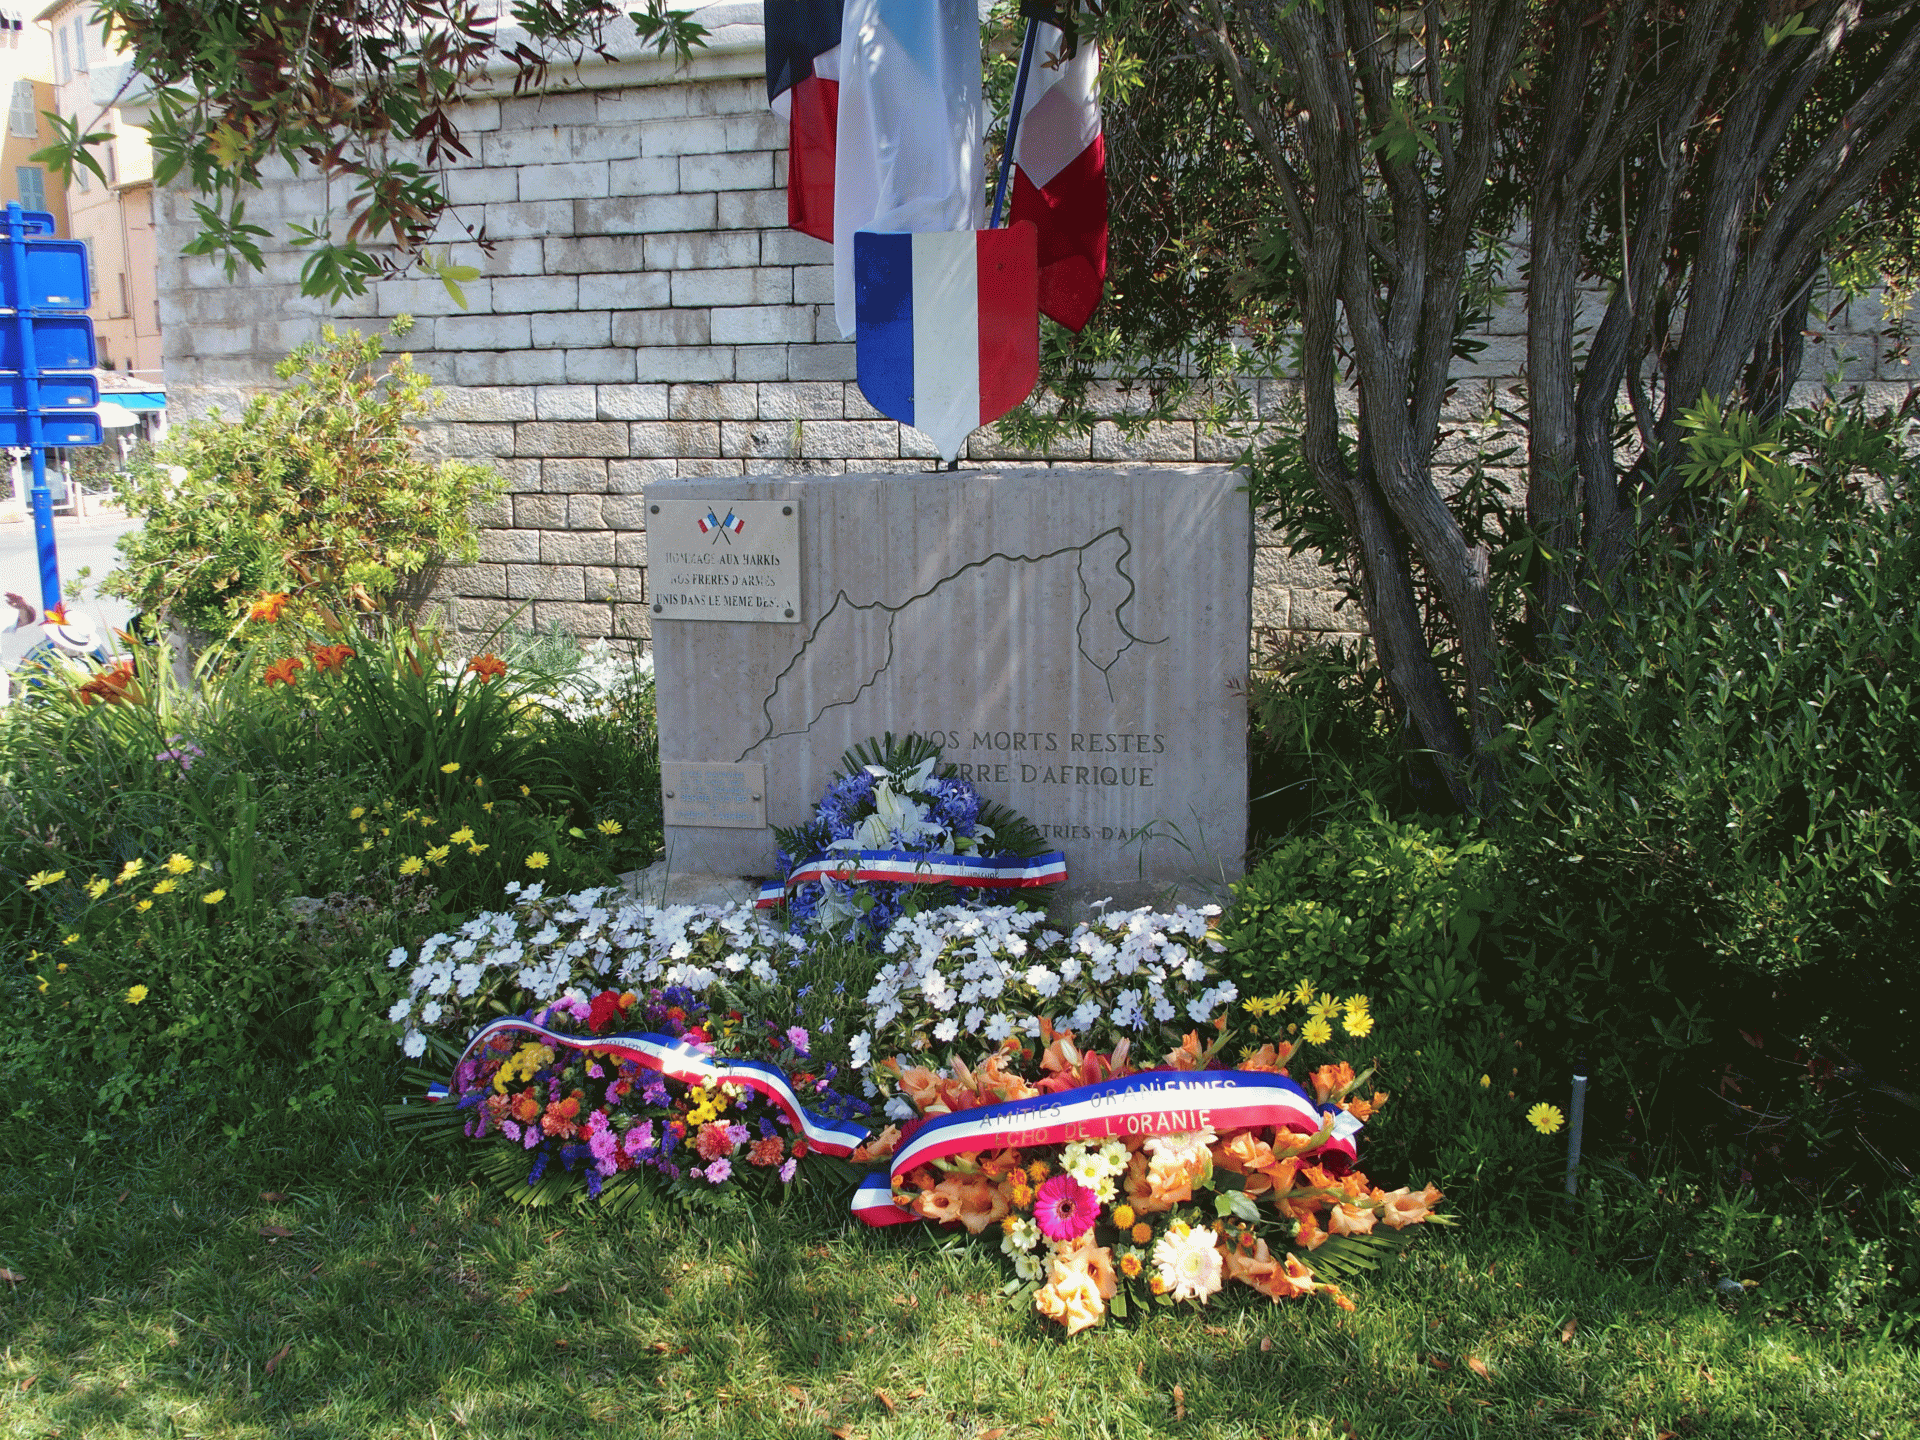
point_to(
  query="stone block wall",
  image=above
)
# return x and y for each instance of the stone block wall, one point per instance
(644, 315)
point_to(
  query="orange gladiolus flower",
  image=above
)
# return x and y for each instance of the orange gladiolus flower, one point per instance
(330, 657)
(281, 671)
(1404, 1209)
(487, 667)
(269, 606)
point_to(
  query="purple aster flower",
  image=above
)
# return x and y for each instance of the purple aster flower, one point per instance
(719, 1170)
(787, 1170)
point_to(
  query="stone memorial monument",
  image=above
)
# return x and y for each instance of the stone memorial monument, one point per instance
(1076, 641)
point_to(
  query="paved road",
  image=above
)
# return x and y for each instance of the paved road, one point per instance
(81, 543)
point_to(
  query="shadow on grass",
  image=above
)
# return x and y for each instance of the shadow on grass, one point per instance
(332, 1282)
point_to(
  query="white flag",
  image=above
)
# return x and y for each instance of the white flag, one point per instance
(908, 156)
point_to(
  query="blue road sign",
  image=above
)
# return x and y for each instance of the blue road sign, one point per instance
(40, 278)
(60, 342)
(56, 278)
(57, 393)
(67, 430)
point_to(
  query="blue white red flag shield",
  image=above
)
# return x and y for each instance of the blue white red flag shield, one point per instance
(948, 334)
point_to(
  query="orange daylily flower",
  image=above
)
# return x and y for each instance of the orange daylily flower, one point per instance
(269, 606)
(111, 687)
(487, 667)
(281, 671)
(1310, 1236)
(329, 657)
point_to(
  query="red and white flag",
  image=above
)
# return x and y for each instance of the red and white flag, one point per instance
(803, 87)
(1060, 176)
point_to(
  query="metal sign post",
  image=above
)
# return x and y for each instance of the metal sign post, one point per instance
(45, 284)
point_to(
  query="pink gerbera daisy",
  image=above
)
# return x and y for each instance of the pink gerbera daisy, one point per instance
(1064, 1209)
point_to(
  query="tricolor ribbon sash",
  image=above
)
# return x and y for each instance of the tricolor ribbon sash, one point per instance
(904, 867)
(678, 1060)
(1158, 1102)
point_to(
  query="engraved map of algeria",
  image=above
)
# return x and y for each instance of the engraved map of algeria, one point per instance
(853, 644)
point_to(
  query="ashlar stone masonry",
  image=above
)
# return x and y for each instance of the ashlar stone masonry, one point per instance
(1075, 641)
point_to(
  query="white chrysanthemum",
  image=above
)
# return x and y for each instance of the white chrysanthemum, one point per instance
(1187, 1262)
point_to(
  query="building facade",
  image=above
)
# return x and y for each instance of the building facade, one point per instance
(113, 211)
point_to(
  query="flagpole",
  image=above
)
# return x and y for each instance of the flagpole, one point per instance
(1013, 119)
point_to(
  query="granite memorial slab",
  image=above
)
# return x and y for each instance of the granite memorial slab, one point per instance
(1076, 641)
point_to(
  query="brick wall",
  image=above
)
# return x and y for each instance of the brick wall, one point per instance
(645, 315)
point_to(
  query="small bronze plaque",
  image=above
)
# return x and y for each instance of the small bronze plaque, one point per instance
(729, 796)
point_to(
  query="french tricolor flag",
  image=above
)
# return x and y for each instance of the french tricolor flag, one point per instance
(803, 87)
(1060, 175)
(733, 524)
(708, 523)
(947, 339)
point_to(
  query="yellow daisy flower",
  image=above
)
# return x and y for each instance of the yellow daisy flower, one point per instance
(144, 906)
(537, 860)
(412, 865)
(213, 897)
(166, 886)
(462, 836)
(356, 812)
(98, 886)
(129, 870)
(438, 853)
(136, 994)
(1316, 1032)
(1546, 1118)
(608, 827)
(40, 879)
(450, 767)
(178, 864)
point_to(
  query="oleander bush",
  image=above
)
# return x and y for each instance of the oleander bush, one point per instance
(315, 490)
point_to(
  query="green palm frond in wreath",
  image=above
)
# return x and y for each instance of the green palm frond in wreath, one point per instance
(1341, 1257)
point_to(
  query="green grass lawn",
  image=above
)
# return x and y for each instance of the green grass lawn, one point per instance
(329, 1279)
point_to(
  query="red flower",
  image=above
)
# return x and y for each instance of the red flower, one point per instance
(605, 1010)
(767, 1151)
(282, 670)
(487, 667)
(714, 1142)
(269, 606)
(799, 1149)
(329, 657)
